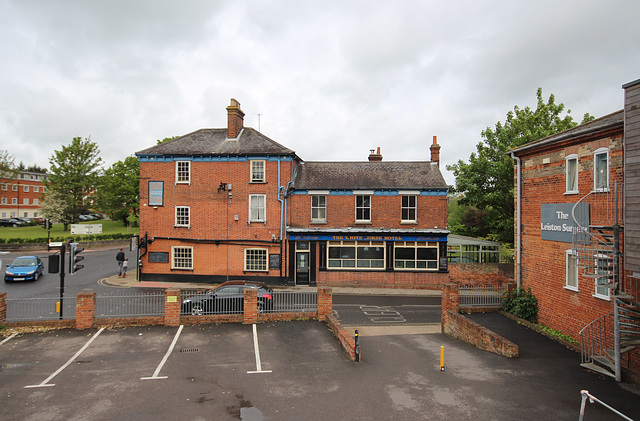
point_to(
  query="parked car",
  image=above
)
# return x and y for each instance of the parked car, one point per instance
(227, 298)
(24, 268)
(7, 223)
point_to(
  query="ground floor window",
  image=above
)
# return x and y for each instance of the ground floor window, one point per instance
(356, 254)
(415, 255)
(181, 257)
(255, 260)
(571, 270)
(604, 267)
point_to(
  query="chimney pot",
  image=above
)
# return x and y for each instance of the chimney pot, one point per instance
(435, 151)
(375, 156)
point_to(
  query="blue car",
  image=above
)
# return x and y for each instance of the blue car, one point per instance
(24, 268)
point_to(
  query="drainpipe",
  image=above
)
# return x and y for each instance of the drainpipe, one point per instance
(518, 223)
(282, 208)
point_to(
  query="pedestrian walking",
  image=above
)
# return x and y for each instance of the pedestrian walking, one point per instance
(120, 259)
(125, 265)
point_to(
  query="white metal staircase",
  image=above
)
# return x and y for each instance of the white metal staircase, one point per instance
(606, 341)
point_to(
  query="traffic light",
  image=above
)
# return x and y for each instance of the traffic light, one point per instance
(43, 224)
(74, 251)
(50, 223)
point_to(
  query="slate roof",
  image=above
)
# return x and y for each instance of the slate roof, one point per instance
(215, 142)
(368, 175)
(603, 123)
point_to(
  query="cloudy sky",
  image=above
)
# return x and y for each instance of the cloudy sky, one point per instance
(328, 79)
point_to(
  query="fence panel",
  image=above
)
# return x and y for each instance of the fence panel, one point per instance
(40, 308)
(293, 302)
(198, 302)
(481, 296)
(130, 305)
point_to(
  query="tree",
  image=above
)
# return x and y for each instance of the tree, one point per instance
(487, 180)
(158, 141)
(74, 176)
(53, 207)
(7, 166)
(119, 190)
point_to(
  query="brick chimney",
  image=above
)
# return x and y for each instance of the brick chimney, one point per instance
(375, 156)
(235, 119)
(435, 151)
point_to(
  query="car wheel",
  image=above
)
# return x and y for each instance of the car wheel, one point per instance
(36, 276)
(197, 310)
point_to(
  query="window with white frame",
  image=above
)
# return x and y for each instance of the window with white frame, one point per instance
(257, 208)
(355, 254)
(182, 216)
(363, 208)
(4, 201)
(318, 208)
(4, 187)
(604, 267)
(415, 255)
(181, 257)
(572, 173)
(183, 172)
(256, 260)
(14, 201)
(25, 201)
(14, 187)
(36, 201)
(601, 169)
(408, 208)
(25, 189)
(36, 189)
(257, 171)
(571, 270)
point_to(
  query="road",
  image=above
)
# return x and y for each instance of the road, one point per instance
(98, 264)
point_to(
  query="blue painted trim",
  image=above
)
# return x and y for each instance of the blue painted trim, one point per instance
(371, 237)
(375, 192)
(200, 158)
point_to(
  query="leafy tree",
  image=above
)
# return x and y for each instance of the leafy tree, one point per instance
(119, 190)
(487, 180)
(53, 207)
(74, 176)
(7, 167)
(466, 220)
(158, 141)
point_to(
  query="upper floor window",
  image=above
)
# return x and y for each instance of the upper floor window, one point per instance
(255, 260)
(257, 171)
(14, 201)
(181, 257)
(4, 187)
(4, 201)
(182, 216)
(36, 202)
(36, 189)
(183, 171)
(363, 208)
(257, 208)
(408, 208)
(604, 268)
(25, 189)
(601, 169)
(571, 270)
(14, 187)
(572, 173)
(25, 201)
(318, 208)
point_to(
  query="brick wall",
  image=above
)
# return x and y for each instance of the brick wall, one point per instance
(85, 310)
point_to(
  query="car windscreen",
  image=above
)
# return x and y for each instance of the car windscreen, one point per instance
(24, 261)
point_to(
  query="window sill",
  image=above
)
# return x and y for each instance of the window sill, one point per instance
(364, 222)
(601, 297)
(567, 193)
(408, 222)
(570, 288)
(318, 222)
(183, 182)
(182, 226)
(256, 271)
(257, 182)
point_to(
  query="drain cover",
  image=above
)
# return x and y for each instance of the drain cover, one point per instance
(189, 350)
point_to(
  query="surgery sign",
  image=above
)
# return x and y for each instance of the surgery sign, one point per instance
(556, 221)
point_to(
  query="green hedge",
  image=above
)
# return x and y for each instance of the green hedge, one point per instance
(76, 238)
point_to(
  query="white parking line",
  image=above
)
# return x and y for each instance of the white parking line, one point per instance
(6, 339)
(44, 383)
(257, 351)
(166, 356)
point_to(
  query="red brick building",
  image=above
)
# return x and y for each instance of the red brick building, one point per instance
(22, 196)
(570, 234)
(230, 203)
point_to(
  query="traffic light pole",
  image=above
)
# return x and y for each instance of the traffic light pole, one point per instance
(62, 253)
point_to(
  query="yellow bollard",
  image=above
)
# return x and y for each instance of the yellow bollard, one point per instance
(441, 358)
(58, 307)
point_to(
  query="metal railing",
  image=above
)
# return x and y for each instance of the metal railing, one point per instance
(40, 308)
(596, 338)
(130, 305)
(592, 399)
(293, 302)
(198, 302)
(481, 296)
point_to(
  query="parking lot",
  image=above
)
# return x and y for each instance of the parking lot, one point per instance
(283, 371)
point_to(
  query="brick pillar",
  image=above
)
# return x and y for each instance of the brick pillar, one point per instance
(250, 306)
(85, 310)
(172, 307)
(449, 302)
(3, 306)
(325, 302)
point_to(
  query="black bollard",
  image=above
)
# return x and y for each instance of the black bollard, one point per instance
(357, 350)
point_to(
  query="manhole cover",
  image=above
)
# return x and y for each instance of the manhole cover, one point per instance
(189, 350)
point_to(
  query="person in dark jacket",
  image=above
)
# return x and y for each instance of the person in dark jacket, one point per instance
(120, 258)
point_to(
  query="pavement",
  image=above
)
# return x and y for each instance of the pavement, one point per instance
(130, 281)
